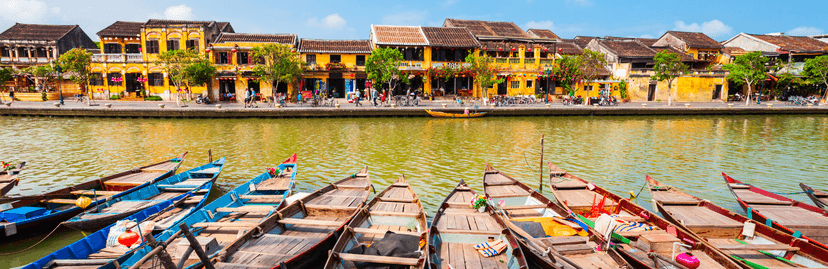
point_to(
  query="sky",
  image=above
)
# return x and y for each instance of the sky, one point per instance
(327, 19)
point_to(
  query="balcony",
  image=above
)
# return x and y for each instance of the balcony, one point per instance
(118, 58)
(530, 61)
(514, 60)
(410, 65)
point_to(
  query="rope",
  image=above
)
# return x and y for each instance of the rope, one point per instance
(30, 247)
(792, 193)
(639, 191)
(527, 163)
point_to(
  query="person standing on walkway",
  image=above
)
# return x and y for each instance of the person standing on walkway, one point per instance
(358, 94)
(247, 98)
(11, 95)
(374, 96)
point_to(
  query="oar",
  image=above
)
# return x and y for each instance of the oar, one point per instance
(33, 197)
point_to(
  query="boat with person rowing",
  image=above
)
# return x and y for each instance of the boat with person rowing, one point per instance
(26, 216)
(302, 233)
(788, 215)
(218, 224)
(820, 198)
(390, 230)
(546, 232)
(9, 178)
(748, 241)
(169, 189)
(438, 114)
(463, 237)
(643, 238)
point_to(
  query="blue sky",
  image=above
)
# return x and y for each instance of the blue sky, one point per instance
(352, 19)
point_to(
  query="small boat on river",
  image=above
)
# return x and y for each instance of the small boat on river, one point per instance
(9, 178)
(438, 114)
(749, 242)
(31, 215)
(457, 228)
(395, 217)
(301, 234)
(169, 189)
(820, 198)
(790, 216)
(524, 206)
(642, 237)
(219, 223)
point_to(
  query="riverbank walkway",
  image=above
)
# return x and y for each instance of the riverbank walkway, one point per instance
(152, 109)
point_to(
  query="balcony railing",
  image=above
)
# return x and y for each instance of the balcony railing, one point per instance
(410, 65)
(501, 60)
(547, 61)
(118, 57)
(514, 60)
(134, 58)
(530, 61)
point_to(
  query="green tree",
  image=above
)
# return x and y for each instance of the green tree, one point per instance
(199, 72)
(485, 75)
(176, 64)
(381, 66)
(816, 71)
(41, 74)
(747, 69)
(786, 81)
(6, 74)
(568, 73)
(76, 63)
(668, 67)
(592, 65)
(281, 64)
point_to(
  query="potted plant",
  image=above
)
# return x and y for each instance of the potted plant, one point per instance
(480, 202)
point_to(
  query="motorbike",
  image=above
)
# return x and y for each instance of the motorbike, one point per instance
(202, 99)
(608, 101)
(569, 100)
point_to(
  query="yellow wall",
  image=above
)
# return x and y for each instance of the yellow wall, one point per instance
(265, 87)
(686, 88)
(162, 35)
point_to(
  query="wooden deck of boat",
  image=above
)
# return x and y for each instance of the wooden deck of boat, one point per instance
(498, 185)
(705, 260)
(749, 254)
(134, 178)
(274, 184)
(161, 167)
(398, 199)
(700, 217)
(462, 256)
(582, 199)
(809, 223)
(95, 260)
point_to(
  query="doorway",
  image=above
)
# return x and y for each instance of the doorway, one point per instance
(131, 82)
(501, 89)
(253, 84)
(651, 92)
(336, 87)
(227, 90)
(717, 93)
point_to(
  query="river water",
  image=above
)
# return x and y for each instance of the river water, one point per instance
(774, 152)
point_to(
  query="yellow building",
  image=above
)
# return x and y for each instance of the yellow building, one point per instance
(336, 67)
(127, 65)
(698, 46)
(233, 57)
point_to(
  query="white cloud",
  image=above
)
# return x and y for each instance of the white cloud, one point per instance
(180, 12)
(405, 18)
(804, 31)
(56, 10)
(539, 25)
(331, 22)
(714, 28)
(24, 11)
(582, 3)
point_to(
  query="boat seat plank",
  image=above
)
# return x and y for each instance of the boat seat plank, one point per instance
(97, 192)
(245, 224)
(60, 201)
(518, 207)
(397, 200)
(563, 240)
(383, 231)
(754, 198)
(583, 198)
(569, 184)
(395, 214)
(454, 231)
(573, 249)
(379, 259)
(310, 222)
(274, 197)
(669, 197)
(756, 247)
(399, 184)
(247, 208)
(738, 186)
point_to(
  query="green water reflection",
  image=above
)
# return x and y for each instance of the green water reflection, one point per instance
(775, 152)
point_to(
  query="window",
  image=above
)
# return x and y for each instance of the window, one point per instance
(132, 48)
(112, 48)
(529, 83)
(172, 44)
(155, 79)
(41, 52)
(222, 57)
(152, 46)
(310, 58)
(360, 60)
(516, 84)
(5, 51)
(587, 88)
(529, 54)
(95, 79)
(22, 52)
(336, 58)
(113, 76)
(242, 57)
(192, 44)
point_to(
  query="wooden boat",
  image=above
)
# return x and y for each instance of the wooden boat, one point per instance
(9, 179)
(820, 198)
(220, 222)
(438, 114)
(92, 250)
(132, 180)
(398, 210)
(457, 228)
(171, 188)
(32, 215)
(521, 201)
(589, 201)
(763, 246)
(790, 216)
(302, 233)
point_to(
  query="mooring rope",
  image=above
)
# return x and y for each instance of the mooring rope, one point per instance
(30, 247)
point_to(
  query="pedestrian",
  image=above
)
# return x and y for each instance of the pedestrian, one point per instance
(246, 98)
(374, 96)
(358, 93)
(384, 95)
(11, 95)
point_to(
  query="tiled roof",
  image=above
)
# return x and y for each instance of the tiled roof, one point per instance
(122, 28)
(629, 48)
(567, 48)
(258, 38)
(450, 37)
(398, 35)
(45, 32)
(163, 23)
(488, 28)
(334, 46)
(696, 40)
(582, 41)
(225, 27)
(684, 57)
(542, 33)
(732, 51)
(645, 41)
(794, 43)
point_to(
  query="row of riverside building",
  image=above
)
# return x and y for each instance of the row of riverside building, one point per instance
(124, 63)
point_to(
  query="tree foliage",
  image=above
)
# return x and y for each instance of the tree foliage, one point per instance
(382, 66)
(178, 64)
(199, 72)
(816, 71)
(279, 64)
(592, 65)
(6, 74)
(41, 74)
(485, 75)
(587, 67)
(668, 67)
(748, 69)
(76, 63)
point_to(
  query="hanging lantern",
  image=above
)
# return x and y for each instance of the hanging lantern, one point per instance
(528, 49)
(544, 49)
(500, 49)
(128, 238)
(560, 50)
(207, 50)
(233, 50)
(513, 49)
